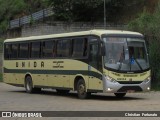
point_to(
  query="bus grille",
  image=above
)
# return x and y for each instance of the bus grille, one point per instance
(130, 82)
(126, 88)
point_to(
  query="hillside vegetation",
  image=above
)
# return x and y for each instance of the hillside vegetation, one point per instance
(117, 11)
(12, 9)
(149, 25)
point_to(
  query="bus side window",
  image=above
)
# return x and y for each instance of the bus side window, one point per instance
(48, 49)
(14, 54)
(63, 48)
(7, 52)
(80, 46)
(35, 50)
(23, 50)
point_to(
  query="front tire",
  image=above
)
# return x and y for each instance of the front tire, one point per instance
(81, 89)
(120, 95)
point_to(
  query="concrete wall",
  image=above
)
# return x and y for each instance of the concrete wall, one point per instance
(62, 27)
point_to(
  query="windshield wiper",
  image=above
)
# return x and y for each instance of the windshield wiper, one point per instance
(138, 64)
(120, 66)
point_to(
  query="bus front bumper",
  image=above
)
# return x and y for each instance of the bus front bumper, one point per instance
(116, 87)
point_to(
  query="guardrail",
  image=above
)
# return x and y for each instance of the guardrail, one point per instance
(30, 18)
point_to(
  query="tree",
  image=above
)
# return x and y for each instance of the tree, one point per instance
(8, 10)
(77, 10)
(12, 9)
(149, 25)
(88, 10)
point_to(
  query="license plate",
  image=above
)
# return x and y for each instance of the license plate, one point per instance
(130, 91)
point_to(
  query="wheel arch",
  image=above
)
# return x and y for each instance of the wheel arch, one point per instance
(26, 75)
(76, 79)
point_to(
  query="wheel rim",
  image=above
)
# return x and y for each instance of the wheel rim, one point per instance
(28, 86)
(81, 89)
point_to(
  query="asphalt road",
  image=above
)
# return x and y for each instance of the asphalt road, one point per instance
(16, 99)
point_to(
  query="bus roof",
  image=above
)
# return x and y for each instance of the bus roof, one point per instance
(71, 34)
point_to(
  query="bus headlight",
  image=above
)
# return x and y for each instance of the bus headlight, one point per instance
(147, 80)
(110, 79)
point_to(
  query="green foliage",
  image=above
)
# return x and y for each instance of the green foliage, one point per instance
(92, 10)
(8, 8)
(36, 5)
(150, 26)
(12, 9)
(77, 10)
(142, 23)
(1, 79)
(3, 26)
(65, 10)
(154, 59)
(88, 10)
(1, 45)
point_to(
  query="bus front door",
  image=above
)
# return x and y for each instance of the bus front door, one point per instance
(94, 81)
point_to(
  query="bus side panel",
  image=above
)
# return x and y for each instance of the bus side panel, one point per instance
(95, 84)
(50, 75)
(95, 81)
(20, 78)
(13, 78)
(39, 79)
(9, 78)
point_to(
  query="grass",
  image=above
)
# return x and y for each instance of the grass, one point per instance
(1, 77)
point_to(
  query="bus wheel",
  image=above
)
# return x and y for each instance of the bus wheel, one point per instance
(120, 95)
(81, 89)
(29, 85)
(62, 91)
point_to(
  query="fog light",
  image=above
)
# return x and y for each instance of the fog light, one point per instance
(148, 88)
(109, 89)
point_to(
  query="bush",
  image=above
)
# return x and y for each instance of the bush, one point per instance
(149, 25)
(154, 57)
(1, 77)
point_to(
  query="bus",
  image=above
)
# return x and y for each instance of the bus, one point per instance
(107, 61)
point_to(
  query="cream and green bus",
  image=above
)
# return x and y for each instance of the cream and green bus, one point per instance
(108, 61)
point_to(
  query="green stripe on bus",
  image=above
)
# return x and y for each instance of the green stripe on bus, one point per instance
(59, 72)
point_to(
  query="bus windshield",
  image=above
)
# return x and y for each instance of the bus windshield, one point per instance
(125, 54)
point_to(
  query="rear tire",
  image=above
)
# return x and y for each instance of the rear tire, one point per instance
(29, 86)
(120, 95)
(81, 89)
